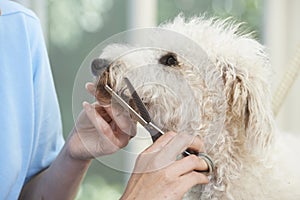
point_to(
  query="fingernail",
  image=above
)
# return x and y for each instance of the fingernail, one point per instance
(86, 85)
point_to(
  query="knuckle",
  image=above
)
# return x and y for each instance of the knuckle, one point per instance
(197, 162)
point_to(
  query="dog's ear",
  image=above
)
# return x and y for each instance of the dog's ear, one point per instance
(249, 116)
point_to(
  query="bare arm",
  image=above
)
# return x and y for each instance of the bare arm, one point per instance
(60, 181)
(92, 136)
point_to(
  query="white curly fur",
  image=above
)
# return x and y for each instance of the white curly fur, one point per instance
(227, 101)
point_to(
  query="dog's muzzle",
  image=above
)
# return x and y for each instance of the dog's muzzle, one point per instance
(98, 66)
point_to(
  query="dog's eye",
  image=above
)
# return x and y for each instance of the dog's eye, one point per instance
(169, 60)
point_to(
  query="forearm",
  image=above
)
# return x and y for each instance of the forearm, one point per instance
(60, 181)
(91, 137)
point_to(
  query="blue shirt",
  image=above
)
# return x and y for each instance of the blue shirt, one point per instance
(30, 123)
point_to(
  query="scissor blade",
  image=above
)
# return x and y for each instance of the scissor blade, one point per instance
(125, 105)
(154, 131)
(138, 102)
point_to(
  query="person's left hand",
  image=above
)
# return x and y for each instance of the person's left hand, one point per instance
(158, 174)
(99, 130)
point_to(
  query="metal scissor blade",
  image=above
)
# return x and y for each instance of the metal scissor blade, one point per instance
(125, 105)
(138, 102)
(154, 131)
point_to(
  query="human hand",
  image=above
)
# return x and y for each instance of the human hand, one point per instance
(99, 130)
(157, 173)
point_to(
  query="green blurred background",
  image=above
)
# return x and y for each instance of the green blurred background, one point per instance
(76, 27)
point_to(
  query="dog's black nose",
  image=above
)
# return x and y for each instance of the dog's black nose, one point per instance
(98, 66)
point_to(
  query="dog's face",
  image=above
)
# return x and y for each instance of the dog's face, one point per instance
(173, 86)
(213, 84)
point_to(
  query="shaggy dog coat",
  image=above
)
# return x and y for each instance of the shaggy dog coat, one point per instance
(226, 99)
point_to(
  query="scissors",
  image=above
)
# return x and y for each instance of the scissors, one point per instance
(146, 121)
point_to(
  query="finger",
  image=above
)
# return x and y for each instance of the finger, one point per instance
(191, 179)
(122, 119)
(122, 139)
(197, 145)
(161, 142)
(99, 123)
(148, 161)
(101, 111)
(186, 165)
(176, 146)
(91, 88)
(115, 134)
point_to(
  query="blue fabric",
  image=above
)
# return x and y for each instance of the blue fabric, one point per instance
(30, 123)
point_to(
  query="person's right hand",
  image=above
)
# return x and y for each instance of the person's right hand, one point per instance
(99, 130)
(157, 173)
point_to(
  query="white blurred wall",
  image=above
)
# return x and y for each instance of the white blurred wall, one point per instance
(142, 13)
(282, 36)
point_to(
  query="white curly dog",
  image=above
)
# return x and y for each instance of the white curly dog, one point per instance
(221, 92)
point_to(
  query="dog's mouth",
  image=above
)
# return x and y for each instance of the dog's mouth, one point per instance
(101, 70)
(104, 98)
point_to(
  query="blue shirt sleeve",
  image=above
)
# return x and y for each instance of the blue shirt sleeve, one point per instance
(30, 123)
